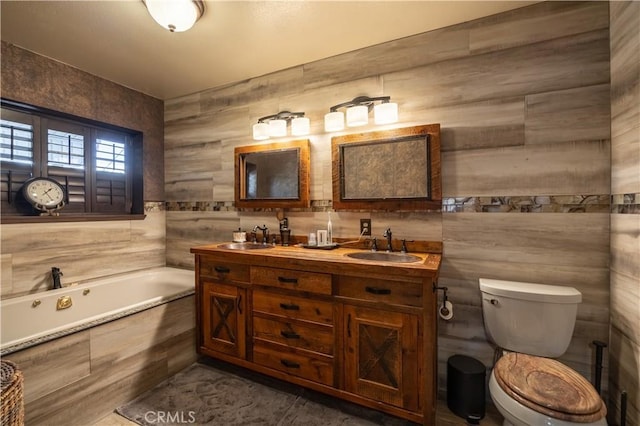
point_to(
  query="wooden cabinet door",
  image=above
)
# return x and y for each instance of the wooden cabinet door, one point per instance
(381, 356)
(224, 318)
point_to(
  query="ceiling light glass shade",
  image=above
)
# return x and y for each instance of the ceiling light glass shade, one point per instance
(334, 121)
(260, 131)
(300, 126)
(277, 128)
(357, 116)
(175, 15)
(385, 113)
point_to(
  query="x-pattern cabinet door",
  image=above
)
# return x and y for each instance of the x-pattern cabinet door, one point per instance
(224, 318)
(381, 358)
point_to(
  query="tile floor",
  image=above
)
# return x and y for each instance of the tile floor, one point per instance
(444, 417)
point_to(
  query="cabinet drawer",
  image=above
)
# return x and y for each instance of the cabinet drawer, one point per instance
(291, 280)
(315, 367)
(315, 338)
(392, 292)
(224, 271)
(283, 305)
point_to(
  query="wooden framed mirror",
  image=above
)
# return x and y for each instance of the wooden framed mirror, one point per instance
(390, 170)
(272, 175)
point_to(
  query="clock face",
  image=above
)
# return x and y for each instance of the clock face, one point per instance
(44, 193)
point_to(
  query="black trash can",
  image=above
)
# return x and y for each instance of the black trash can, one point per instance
(466, 387)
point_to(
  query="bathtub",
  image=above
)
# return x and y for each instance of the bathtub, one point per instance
(37, 318)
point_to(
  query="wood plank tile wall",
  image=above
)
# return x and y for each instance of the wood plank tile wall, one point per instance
(523, 101)
(625, 212)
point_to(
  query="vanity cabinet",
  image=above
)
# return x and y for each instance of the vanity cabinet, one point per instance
(223, 306)
(381, 356)
(359, 330)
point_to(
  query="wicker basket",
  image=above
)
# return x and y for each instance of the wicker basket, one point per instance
(11, 395)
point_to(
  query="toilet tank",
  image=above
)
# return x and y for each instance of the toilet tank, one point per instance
(535, 319)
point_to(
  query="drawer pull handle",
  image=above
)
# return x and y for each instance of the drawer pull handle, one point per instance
(289, 364)
(290, 306)
(288, 280)
(222, 269)
(289, 334)
(376, 290)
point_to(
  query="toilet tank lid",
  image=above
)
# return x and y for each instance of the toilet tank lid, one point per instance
(530, 291)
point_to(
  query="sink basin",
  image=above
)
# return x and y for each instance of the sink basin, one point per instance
(245, 246)
(384, 257)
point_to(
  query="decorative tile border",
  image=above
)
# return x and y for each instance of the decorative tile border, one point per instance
(153, 206)
(216, 206)
(528, 204)
(617, 203)
(625, 203)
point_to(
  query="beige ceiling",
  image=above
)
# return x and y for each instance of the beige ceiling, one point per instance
(234, 40)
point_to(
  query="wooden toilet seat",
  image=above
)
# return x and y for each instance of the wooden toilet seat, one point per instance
(549, 387)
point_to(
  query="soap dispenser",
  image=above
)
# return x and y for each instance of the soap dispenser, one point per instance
(285, 232)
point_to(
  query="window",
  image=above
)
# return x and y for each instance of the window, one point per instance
(16, 143)
(94, 162)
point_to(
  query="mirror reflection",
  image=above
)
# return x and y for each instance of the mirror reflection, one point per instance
(388, 170)
(272, 175)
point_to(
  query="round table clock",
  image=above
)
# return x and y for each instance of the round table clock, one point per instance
(44, 194)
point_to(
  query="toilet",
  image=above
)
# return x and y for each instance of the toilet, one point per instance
(532, 324)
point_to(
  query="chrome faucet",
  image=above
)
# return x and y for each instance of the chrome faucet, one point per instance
(387, 234)
(56, 274)
(265, 233)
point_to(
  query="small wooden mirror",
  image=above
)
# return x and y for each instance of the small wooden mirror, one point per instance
(391, 170)
(272, 175)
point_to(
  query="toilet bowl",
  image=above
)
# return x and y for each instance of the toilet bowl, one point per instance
(533, 323)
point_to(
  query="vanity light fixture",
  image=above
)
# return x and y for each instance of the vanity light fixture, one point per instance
(175, 15)
(358, 110)
(275, 125)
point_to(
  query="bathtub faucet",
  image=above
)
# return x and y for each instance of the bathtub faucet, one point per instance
(56, 274)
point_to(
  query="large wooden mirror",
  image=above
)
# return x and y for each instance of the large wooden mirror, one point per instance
(272, 175)
(391, 170)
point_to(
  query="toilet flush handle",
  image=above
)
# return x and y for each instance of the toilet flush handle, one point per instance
(494, 302)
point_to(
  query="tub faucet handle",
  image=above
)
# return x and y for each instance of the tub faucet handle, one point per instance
(56, 273)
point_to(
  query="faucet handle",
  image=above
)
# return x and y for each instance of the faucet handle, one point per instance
(404, 246)
(374, 244)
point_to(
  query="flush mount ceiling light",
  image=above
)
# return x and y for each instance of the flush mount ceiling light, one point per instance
(175, 15)
(273, 126)
(358, 110)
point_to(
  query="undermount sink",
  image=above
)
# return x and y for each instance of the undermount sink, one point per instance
(384, 256)
(245, 246)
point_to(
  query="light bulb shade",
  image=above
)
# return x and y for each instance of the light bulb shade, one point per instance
(334, 121)
(277, 128)
(357, 116)
(174, 15)
(260, 131)
(386, 113)
(300, 126)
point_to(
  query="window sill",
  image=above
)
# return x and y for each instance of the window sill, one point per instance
(9, 219)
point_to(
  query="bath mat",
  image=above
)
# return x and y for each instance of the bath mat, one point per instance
(205, 395)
